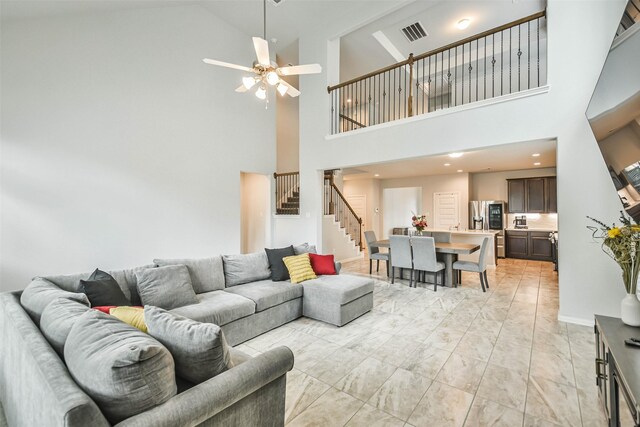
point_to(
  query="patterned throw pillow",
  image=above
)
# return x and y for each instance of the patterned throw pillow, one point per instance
(133, 316)
(299, 267)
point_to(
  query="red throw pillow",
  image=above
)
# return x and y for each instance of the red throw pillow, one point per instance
(322, 264)
(104, 308)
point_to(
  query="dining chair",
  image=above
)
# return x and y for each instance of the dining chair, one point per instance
(424, 258)
(374, 252)
(401, 257)
(441, 236)
(479, 267)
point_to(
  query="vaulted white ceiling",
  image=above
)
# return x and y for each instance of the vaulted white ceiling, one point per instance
(362, 53)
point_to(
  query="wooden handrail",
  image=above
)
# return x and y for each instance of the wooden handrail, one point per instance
(412, 58)
(349, 119)
(347, 203)
(275, 174)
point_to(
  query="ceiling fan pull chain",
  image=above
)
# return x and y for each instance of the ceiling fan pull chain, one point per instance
(264, 19)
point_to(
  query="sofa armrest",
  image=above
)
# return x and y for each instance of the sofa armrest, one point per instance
(203, 401)
(338, 266)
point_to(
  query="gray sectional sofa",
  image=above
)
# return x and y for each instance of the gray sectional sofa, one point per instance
(233, 292)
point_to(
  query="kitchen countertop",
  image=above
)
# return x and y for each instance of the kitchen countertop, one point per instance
(475, 232)
(549, 230)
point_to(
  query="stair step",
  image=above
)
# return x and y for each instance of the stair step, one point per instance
(293, 199)
(295, 194)
(287, 211)
(294, 205)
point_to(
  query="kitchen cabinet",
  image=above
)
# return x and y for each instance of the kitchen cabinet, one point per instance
(552, 195)
(516, 199)
(534, 245)
(532, 195)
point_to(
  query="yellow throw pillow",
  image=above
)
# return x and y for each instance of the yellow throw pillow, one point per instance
(299, 267)
(133, 316)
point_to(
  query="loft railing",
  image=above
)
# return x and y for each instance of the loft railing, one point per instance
(630, 17)
(337, 205)
(500, 61)
(287, 193)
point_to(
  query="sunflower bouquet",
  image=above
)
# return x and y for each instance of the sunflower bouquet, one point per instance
(622, 244)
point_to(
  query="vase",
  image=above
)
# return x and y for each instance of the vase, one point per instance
(419, 231)
(630, 310)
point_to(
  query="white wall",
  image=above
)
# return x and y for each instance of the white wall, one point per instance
(288, 117)
(589, 281)
(458, 183)
(255, 212)
(398, 203)
(119, 144)
(370, 188)
(493, 185)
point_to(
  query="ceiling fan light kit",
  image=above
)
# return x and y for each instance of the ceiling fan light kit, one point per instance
(266, 72)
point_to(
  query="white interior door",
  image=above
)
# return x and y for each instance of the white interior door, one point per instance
(446, 210)
(359, 205)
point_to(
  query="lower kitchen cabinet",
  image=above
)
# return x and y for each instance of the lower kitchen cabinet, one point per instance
(533, 245)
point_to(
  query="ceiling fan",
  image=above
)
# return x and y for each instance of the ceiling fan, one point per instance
(266, 72)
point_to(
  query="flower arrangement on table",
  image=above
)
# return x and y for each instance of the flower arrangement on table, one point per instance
(622, 244)
(419, 222)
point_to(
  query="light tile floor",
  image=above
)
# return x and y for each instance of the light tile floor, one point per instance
(448, 358)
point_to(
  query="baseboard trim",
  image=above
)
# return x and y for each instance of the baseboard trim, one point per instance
(576, 320)
(355, 258)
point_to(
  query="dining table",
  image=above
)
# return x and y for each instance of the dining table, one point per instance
(449, 251)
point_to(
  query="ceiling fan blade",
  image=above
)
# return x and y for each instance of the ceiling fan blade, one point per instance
(227, 64)
(241, 89)
(300, 69)
(262, 51)
(291, 91)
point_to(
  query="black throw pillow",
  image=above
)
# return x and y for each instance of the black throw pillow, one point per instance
(102, 289)
(279, 271)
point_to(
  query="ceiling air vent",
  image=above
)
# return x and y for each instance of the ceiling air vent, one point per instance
(414, 32)
(277, 2)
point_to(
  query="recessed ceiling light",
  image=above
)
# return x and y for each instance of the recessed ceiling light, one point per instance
(456, 155)
(376, 175)
(447, 164)
(536, 164)
(459, 170)
(349, 100)
(463, 23)
(535, 155)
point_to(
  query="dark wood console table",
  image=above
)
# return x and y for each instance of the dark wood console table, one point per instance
(618, 371)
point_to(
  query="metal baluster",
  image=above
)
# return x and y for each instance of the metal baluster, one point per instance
(493, 65)
(538, 50)
(529, 55)
(462, 72)
(449, 78)
(501, 62)
(442, 80)
(510, 57)
(519, 55)
(477, 66)
(470, 69)
(485, 69)
(429, 87)
(455, 79)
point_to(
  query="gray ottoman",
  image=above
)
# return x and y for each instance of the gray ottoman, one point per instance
(337, 299)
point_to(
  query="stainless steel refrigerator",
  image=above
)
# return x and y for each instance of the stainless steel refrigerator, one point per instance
(489, 215)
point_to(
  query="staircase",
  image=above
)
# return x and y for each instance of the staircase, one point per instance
(337, 206)
(287, 193)
(335, 240)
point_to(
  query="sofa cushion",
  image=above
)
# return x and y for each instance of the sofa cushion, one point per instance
(126, 280)
(279, 271)
(199, 350)
(40, 292)
(167, 287)
(57, 319)
(299, 267)
(217, 307)
(304, 248)
(267, 293)
(102, 289)
(245, 268)
(207, 274)
(340, 289)
(124, 370)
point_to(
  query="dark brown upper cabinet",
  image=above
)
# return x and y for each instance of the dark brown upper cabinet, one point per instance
(532, 195)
